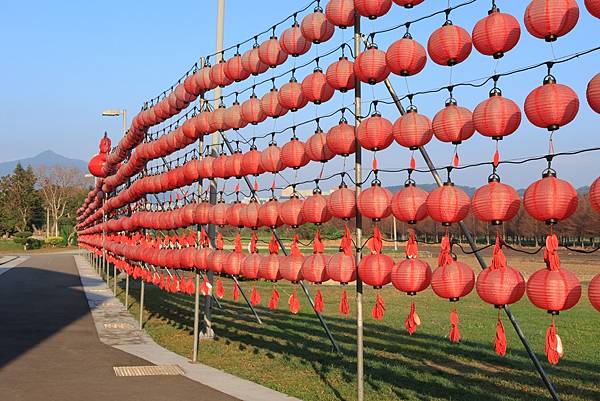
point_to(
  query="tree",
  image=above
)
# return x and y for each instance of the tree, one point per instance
(20, 203)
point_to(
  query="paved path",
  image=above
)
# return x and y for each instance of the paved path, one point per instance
(49, 347)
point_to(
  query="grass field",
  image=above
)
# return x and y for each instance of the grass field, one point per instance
(292, 354)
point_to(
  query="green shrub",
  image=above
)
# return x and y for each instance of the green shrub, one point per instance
(54, 241)
(21, 237)
(33, 243)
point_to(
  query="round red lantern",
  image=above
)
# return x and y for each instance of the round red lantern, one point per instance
(372, 8)
(233, 262)
(291, 96)
(268, 268)
(412, 129)
(495, 202)
(203, 80)
(234, 217)
(452, 279)
(218, 214)
(271, 54)
(449, 45)
(268, 214)
(594, 291)
(550, 199)
(376, 268)
(448, 204)
(314, 268)
(340, 13)
(593, 7)
(409, 205)
(252, 112)
(496, 34)
(341, 139)
(341, 267)
(593, 92)
(551, 105)
(408, 3)
(251, 263)
(497, 116)
(270, 159)
(270, 104)
(249, 214)
(411, 275)
(293, 154)
(290, 211)
(314, 208)
(216, 119)
(316, 28)
(202, 213)
(340, 75)
(341, 203)
(96, 165)
(406, 57)
(315, 87)
(594, 195)
(252, 63)
(251, 162)
(370, 66)
(551, 19)
(293, 42)
(219, 166)
(374, 202)
(217, 74)
(316, 147)
(453, 123)
(375, 132)
(290, 266)
(234, 69)
(233, 116)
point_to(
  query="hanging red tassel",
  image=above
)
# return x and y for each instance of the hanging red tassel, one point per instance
(236, 293)
(274, 301)
(220, 291)
(454, 332)
(379, 308)
(294, 303)
(455, 160)
(554, 349)
(205, 287)
(344, 308)
(413, 163)
(254, 296)
(496, 160)
(319, 301)
(412, 321)
(500, 344)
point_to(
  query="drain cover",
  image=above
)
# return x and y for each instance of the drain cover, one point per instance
(118, 326)
(153, 370)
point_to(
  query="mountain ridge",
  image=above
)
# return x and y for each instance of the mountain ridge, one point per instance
(46, 158)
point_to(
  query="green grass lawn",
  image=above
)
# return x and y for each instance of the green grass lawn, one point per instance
(9, 246)
(291, 353)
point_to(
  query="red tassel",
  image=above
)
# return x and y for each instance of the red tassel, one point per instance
(500, 339)
(411, 321)
(344, 308)
(220, 291)
(455, 160)
(274, 301)
(254, 296)
(454, 332)
(294, 303)
(552, 346)
(496, 158)
(413, 163)
(379, 308)
(319, 301)
(236, 292)
(204, 289)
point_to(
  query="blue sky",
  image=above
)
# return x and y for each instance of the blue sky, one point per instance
(65, 61)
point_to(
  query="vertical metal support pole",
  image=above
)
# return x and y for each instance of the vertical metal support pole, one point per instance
(482, 264)
(115, 282)
(395, 235)
(360, 374)
(124, 116)
(127, 292)
(141, 319)
(196, 317)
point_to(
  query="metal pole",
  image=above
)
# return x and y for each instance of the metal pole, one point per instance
(395, 234)
(237, 283)
(360, 373)
(196, 318)
(482, 263)
(115, 282)
(124, 116)
(142, 286)
(127, 291)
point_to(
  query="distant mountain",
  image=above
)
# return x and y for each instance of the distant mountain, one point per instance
(47, 158)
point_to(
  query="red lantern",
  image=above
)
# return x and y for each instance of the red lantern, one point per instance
(251, 262)
(412, 129)
(252, 112)
(203, 80)
(219, 166)
(96, 165)
(406, 57)
(270, 105)
(496, 34)
(449, 45)
(372, 8)
(551, 105)
(316, 147)
(218, 214)
(376, 268)
(290, 266)
(340, 139)
(594, 292)
(316, 28)
(269, 265)
(495, 202)
(217, 119)
(234, 217)
(594, 195)
(451, 279)
(314, 208)
(202, 213)
(340, 13)
(291, 97)
(268, 214)
(233, 263)
(291, 211)
(551, 19)
(340, 75)
(370, 66)
(411, 275)
(550, 199)
(408, 3)
(293, 154)
(249, 214)
(271, 54)
(342, 203)
(233, 116)
(374, 202)
(270, 159)
(341, 267)
(251, 162)
(314, 268)
(409, 205)
(315, 87)
(593, 7)
(448, 204)
(293, 42)
(252, 63)
(593, 92)
(234, 69)
(375, 132)
(202, 123)
(497, 116)
(453, 123)
(217, 74)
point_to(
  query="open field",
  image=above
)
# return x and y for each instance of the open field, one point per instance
(292, 354)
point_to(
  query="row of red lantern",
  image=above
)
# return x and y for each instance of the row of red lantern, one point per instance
(91, 202)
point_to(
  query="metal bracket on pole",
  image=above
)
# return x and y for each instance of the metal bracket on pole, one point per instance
(467, 233)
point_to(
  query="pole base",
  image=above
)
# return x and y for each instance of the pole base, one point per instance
(207, 334)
